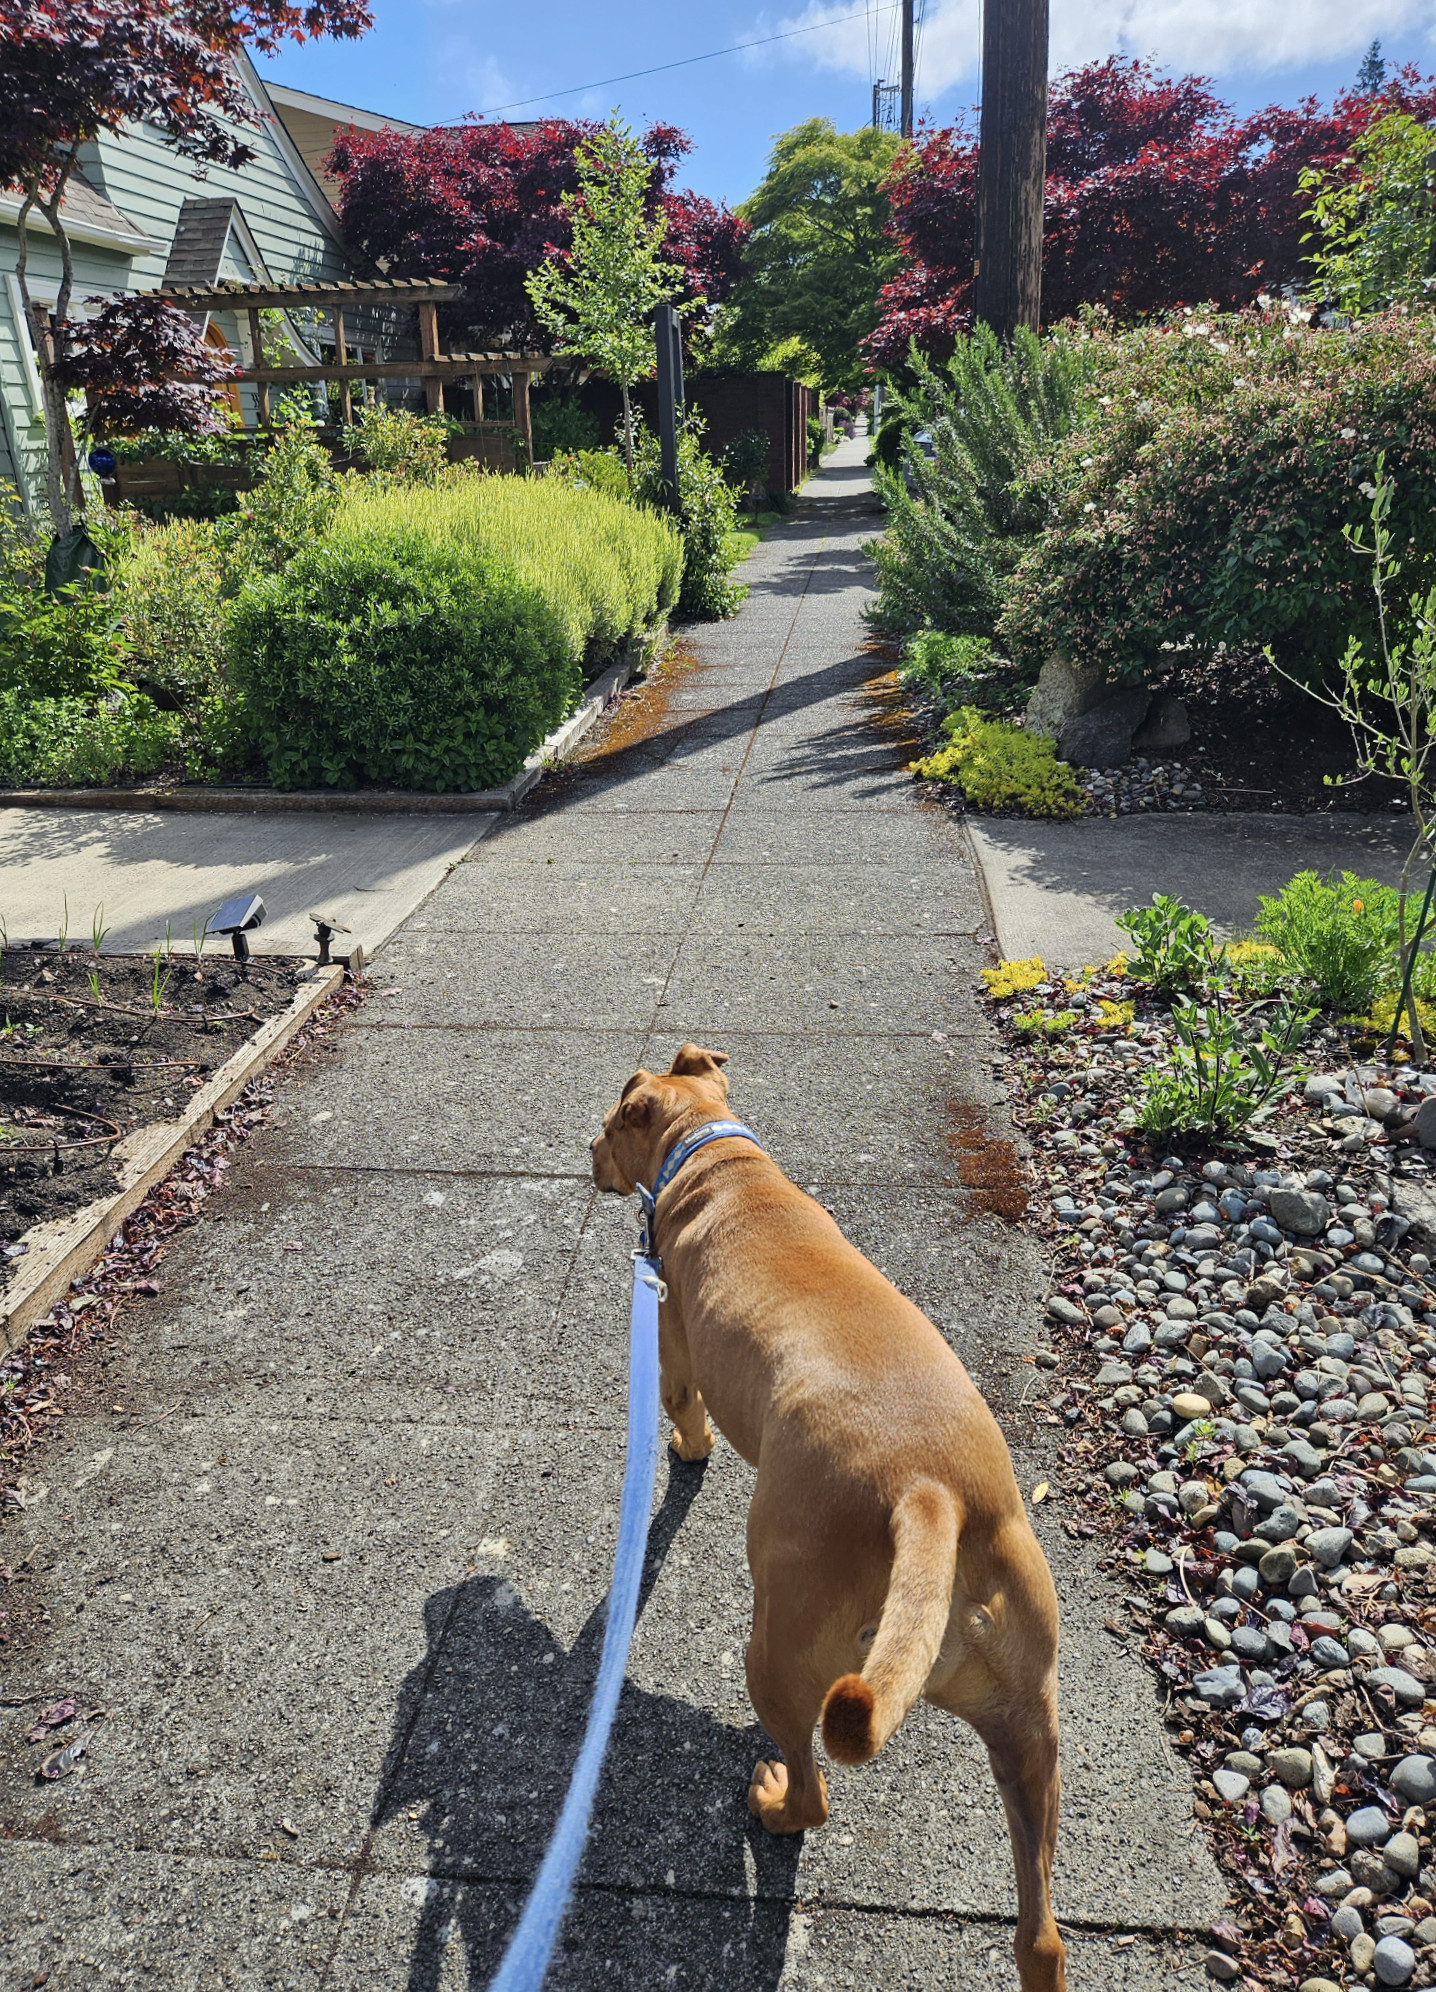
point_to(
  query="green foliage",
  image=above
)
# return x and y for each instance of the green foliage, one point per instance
(707, 519)
(745, 460)
(1224, 1068)
(937, 662)
(291, 504)
(176, 446)
(1173, 948)
(434, 636)
(397, 444)
(172, 609)
(817, 436)
(960, 520)
(1373, 218)
(562, 427)
(598, 301)
(818, 255)
(1002, 767)
(66, 645)
(1206, 497)
(77, 742)
(1340, 934)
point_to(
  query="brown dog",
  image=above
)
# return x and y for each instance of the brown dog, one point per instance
(890, 1551)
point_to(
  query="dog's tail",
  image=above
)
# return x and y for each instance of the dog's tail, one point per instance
(861, 1711)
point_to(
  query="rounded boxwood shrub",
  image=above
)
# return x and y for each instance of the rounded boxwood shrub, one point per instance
(392, 657)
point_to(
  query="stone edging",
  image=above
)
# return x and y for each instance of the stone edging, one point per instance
(368, 802)
(62, 1248)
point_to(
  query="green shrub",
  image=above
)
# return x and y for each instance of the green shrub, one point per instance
(1223, 1070)
(960, 520)
(937, 662)
(745, 460)
(1341, 934)
(70, 742)
(1002, 767)
(172, 610)
(1205, 501)
(1173, 948)
(707, 519)
(387, 657)
(291, 503)
(395, 443)
(607, 569)
(66, 645)
(434, 636)
(562, 427)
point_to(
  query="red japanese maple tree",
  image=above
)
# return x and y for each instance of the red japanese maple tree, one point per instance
(1157, 195)
(481, 205)
(70, 69)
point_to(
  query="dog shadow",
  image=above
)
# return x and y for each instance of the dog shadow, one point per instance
(485, 1734)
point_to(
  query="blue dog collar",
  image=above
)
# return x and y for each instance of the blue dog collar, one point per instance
(676, 1157)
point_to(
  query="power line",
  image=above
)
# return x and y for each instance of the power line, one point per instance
(685, 62)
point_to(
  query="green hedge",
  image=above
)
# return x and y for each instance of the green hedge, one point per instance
(69, 742)
(432, 637)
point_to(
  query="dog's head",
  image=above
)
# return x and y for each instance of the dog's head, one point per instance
(628, 1150)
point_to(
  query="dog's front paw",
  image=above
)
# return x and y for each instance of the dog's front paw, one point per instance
(770, 1800)
(701, 1450)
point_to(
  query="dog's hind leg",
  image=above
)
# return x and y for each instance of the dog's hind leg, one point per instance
(692, 1434)
(786, 1689)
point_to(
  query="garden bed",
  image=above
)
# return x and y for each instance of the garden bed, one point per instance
(96, 1048)
(1240, 1346)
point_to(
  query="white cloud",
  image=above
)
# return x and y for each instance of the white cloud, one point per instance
(1221, 36)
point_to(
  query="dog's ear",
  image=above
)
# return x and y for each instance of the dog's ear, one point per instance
(638, 1103)
(693, 1062)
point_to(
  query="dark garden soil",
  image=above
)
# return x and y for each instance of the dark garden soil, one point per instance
(79, 1070)
(1261, 743)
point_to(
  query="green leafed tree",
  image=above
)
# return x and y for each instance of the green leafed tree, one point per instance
(819, 252)
(1373, 218)
(598, 301)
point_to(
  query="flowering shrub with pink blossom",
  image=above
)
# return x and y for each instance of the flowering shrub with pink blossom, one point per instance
(1204, 498)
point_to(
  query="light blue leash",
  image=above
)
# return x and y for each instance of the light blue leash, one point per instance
(531, 1947)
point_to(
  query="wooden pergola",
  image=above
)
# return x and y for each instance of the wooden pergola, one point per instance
(432, 367)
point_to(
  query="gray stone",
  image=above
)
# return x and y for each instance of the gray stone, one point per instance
(1220, 1687)
(1292, 1766)
(1169, 1200)
(1157, 1564)
(1368, 1827)
(1326, 1547)
(1167, 725)
(1402, 1852)
(1414, 1779)
(1268, 1360)
(1063, 691)
(1426, 1122)
(1406, 1688)
(1361, 1641)
(1302, 1211)
(1221, 1967)
(1184, 1620)
(1250, 1644)
(1276, 1804)
(1278, 1566)
(1231, 1785)
(1101, 737)
(1346, 1923)
(1328, 1652)
(1393, 1962)
(1279, 1526)
(1121, 1473)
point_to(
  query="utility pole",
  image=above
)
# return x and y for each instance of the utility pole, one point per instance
(905, 124)
(1012, 166)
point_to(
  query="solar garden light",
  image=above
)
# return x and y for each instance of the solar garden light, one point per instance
(235, 918)
(325, 928)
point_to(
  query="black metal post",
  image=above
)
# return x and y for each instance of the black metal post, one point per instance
(668, 346)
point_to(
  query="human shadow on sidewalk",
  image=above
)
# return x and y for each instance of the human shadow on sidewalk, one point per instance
(486, 1731)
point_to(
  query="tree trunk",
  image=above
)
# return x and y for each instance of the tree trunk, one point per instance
(1011, 166)
(61, 463)
(627, 428)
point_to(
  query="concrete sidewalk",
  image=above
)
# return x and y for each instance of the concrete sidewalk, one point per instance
(344, 1602)
(1055, 889)
(155, 871)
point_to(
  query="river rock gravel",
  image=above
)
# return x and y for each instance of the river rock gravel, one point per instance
(1240, 1353)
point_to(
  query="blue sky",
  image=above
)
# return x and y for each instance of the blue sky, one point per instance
(432, 60)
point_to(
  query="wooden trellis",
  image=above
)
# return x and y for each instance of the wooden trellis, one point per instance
(432, 367)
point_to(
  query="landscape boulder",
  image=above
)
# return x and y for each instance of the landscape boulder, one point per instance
(1102, 736)
(1063, 690)
(1167, 725)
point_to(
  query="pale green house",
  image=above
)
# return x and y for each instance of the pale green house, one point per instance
(140, 216)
